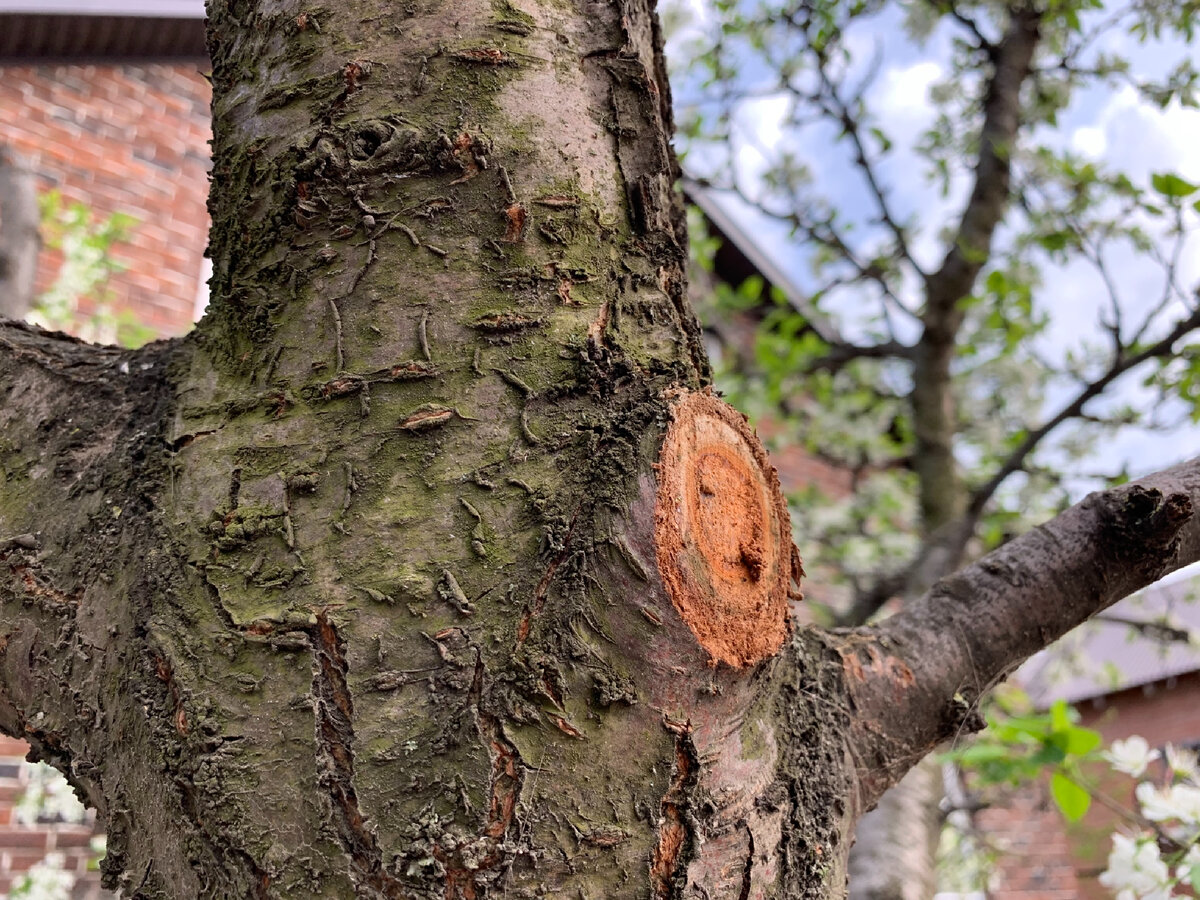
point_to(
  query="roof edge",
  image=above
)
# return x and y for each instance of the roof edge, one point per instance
(149, 9)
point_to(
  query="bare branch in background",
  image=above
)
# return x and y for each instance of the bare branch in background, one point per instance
(1119, 365)
(1161, 631)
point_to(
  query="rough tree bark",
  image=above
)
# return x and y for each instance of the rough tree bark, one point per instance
(427, 566)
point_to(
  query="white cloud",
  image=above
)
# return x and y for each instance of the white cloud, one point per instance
(1089, 141)
(760, 132)
(1141, 138)
(903, 94)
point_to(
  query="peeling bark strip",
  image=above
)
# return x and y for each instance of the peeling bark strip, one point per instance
(722, 532)
(465, 861)
(333, 709)
(668, 867)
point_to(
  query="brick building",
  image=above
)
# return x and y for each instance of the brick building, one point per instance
(1124, 679)
(112, 110)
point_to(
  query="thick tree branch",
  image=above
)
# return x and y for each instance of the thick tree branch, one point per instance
(993, 171)
(917, 676)
(70, 414)
(27, 349)
(77, 423)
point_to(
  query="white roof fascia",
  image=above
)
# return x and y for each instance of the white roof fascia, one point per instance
(150, 9)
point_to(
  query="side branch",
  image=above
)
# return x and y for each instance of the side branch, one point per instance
(917, 676)
(72, 417)
(24, 348)
(842, 352)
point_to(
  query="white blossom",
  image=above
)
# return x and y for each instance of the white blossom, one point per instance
(47, 794)
(1176, 801)
(1186, 800)
(1190, 861)
(46, 880)
(1131, 755)
(1182, 762)
(1136, 870)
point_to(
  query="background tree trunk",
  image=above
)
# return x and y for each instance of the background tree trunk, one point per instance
(20, 240)
(893, 857)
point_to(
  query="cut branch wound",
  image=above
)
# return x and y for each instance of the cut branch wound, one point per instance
(722, 532)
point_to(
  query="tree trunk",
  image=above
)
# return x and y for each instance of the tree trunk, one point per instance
(893, 857)
(427, 567)
(20, 239)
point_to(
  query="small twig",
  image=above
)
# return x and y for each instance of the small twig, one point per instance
(337, 328)
(514, 381)
(509, 193)
(409, 233)
(532, 438)
(423, 334)
(1159, 631)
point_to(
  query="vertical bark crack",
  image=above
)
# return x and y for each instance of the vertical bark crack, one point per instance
(504, 790)
(507, 777)
(333, 708)
(543, 585)
(676, 833)
(748, 870)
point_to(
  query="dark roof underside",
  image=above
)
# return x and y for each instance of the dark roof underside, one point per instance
(39, 38)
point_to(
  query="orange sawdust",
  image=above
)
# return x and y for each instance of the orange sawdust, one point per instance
(722, 532)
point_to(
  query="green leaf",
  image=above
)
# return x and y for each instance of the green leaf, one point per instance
(1081, 741)
(1055, 240)
(1193, 877)
(1172, 185)
(1059, 718)
(1072, 799)
(1050, 754)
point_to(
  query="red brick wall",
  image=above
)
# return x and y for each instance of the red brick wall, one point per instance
(1044, 855)
(129, 139)
(1035, 860)
(22, 845)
